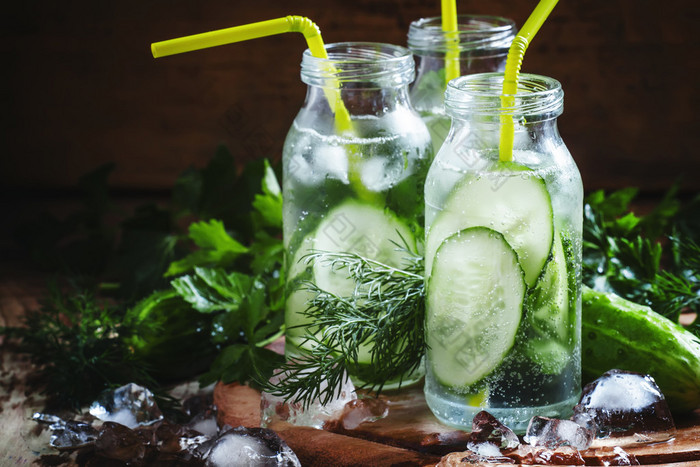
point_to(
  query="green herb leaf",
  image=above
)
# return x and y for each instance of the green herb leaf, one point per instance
(269, 204)
(216, 247)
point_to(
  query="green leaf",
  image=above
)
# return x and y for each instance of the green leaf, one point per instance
(217, 248)
(626, 223)
(212, 235)
(267, 253)
(211, 290)
(156, 329)
(269, 204)
(243, 364)
(613, 205)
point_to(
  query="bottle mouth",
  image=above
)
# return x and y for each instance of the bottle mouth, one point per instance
(360, 64)
(537, 98)
(480, 35)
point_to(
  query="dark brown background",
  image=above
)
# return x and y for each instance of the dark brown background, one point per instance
(81, 88)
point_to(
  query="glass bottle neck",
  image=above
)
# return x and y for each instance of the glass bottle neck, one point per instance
(480, 45)
(360, 101)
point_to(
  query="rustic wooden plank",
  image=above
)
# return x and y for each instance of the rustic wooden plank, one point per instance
(322, 448)
(411, 427)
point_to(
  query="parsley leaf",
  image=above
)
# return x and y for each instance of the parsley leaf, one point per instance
(216, 246)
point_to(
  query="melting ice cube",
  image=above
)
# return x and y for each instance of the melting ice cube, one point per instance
(625, 403)
(251, 447)
(618, 457)
(67, 434)
(487, 428)
(553, 433)
(180, 442)
(316, 414)
(130, 405)
(205, 423)
(358, 411)
(488, 437)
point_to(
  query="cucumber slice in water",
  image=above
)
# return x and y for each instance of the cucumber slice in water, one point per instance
(549, 306)
(355, 227)
(474, 306)
(548, 303)
(361, 228)
(549, 355)
(514, 202)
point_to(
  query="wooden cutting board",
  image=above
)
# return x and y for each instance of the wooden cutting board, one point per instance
(410, 435)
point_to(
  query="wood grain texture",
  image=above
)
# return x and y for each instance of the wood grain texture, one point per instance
(80, 87)
(411, 431)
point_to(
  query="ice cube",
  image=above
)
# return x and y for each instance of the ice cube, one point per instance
(484, 449)
(587, 421)
(381, 173)
(553, 433)
(130, 405)
(488, 429)
(316, 414)
(251, 447)
(626, 403)
(312, 163)
(358, 411)
(177, 439)
(618, 457)
(67, 434)
(488, 437)
(205, 423)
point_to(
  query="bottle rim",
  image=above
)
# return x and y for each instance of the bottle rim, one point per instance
(537, 98)
(362, 64)
(477, 34)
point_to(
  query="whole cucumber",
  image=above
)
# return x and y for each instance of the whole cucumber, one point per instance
(617, 333)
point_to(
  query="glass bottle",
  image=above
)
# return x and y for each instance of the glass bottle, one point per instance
(482, 44)
(503, 258)
(352, 182)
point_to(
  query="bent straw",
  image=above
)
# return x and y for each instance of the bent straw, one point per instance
(510, 78)
(308, 28)
(449, 26)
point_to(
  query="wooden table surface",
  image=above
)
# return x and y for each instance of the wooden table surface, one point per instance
(21, 440)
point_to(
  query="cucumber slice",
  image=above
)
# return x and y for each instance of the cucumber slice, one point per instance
(474, 306)
(355, 227)
(549, 355)
(298, 324)
(515, 203)
(548, 302)
(361, 228)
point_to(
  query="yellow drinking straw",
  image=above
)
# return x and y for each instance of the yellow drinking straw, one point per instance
(308, 28)
(510, 79)
(449, 26)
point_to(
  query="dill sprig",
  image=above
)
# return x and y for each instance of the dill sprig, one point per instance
(384, 315)
(76, 343)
